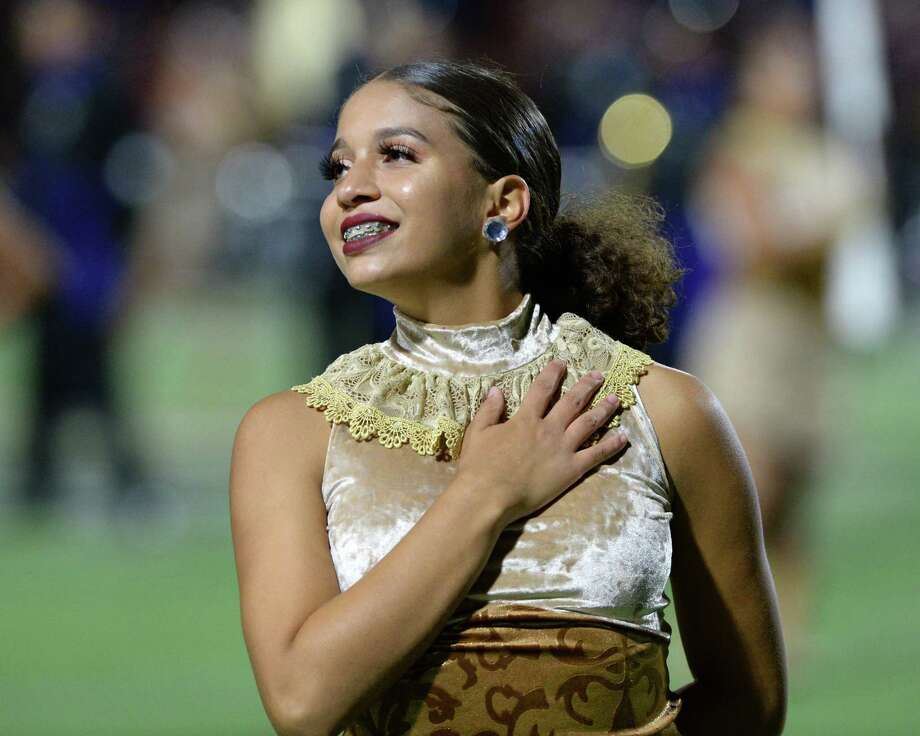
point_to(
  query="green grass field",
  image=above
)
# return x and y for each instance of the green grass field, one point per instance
(135, 631)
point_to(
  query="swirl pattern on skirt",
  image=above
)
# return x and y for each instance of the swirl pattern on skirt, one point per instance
(516, 670)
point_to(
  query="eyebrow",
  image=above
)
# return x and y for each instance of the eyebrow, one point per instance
(382, 133)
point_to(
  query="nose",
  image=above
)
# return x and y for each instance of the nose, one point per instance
(357, 185)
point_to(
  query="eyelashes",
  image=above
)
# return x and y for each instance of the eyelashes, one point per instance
(331, 168)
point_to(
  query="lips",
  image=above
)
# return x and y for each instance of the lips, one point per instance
(359, 218)
(352, 247)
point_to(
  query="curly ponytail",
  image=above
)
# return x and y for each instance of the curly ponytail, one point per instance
(604, 259)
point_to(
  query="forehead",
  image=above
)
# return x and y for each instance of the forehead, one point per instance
(383, 104)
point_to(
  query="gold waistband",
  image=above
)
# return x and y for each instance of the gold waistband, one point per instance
(497, 675)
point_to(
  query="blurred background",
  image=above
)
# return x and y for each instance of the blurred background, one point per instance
(162, 268)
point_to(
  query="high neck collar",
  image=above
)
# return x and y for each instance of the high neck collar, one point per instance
(472, 349)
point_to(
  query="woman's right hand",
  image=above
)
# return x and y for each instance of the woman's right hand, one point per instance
(530, 459)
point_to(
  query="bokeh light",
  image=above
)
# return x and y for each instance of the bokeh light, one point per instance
(703, 16)
(255, 182)
(635, 130)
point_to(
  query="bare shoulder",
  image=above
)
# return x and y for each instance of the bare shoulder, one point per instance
(286, 408)
(674, 398)
(283, 427)
(692, 427)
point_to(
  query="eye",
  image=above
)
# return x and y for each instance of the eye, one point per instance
(397, 151)
(330, 168)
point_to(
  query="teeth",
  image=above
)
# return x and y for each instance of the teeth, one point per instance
(367, 228)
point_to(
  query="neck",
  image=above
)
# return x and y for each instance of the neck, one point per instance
(460, 307)
(488, 292)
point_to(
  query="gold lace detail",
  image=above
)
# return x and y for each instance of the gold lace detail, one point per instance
(375, 396)
(365, 421)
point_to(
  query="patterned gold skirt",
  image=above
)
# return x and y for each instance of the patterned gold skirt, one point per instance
(516, 670)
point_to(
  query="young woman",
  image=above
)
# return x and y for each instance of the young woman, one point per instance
(419, 554)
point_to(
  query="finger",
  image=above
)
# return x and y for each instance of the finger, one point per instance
(576, 399)
(541, 393)
(490, 410)
(590, 421)
(608, 446)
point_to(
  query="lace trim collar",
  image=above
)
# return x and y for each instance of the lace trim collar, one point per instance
(377, 396)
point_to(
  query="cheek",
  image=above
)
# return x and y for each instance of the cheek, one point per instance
(436, 202)
(327, 218)
(327, 221)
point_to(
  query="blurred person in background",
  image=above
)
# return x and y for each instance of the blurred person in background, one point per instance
(74, 112)
(773, 191)
(455, 514)
(199, 107)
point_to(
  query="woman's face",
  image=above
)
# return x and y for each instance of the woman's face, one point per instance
(399, 159)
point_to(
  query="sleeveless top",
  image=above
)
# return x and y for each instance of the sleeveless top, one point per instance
(398, 410)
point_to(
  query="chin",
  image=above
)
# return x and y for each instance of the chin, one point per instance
(387, 285)
(369, 280)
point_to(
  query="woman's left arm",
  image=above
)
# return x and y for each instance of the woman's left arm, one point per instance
(720, 577)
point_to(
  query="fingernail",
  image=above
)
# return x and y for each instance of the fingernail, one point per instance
(611, 399)
(492, 392)
(596, 375)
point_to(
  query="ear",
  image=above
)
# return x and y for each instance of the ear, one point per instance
(510, 198)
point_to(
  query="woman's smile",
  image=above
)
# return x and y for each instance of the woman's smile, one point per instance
(361, 243)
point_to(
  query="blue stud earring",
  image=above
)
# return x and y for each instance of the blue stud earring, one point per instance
(495, 229)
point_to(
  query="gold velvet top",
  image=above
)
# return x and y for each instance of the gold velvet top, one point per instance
(399, 408)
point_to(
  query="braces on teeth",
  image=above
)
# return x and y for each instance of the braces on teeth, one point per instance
(367, 228)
